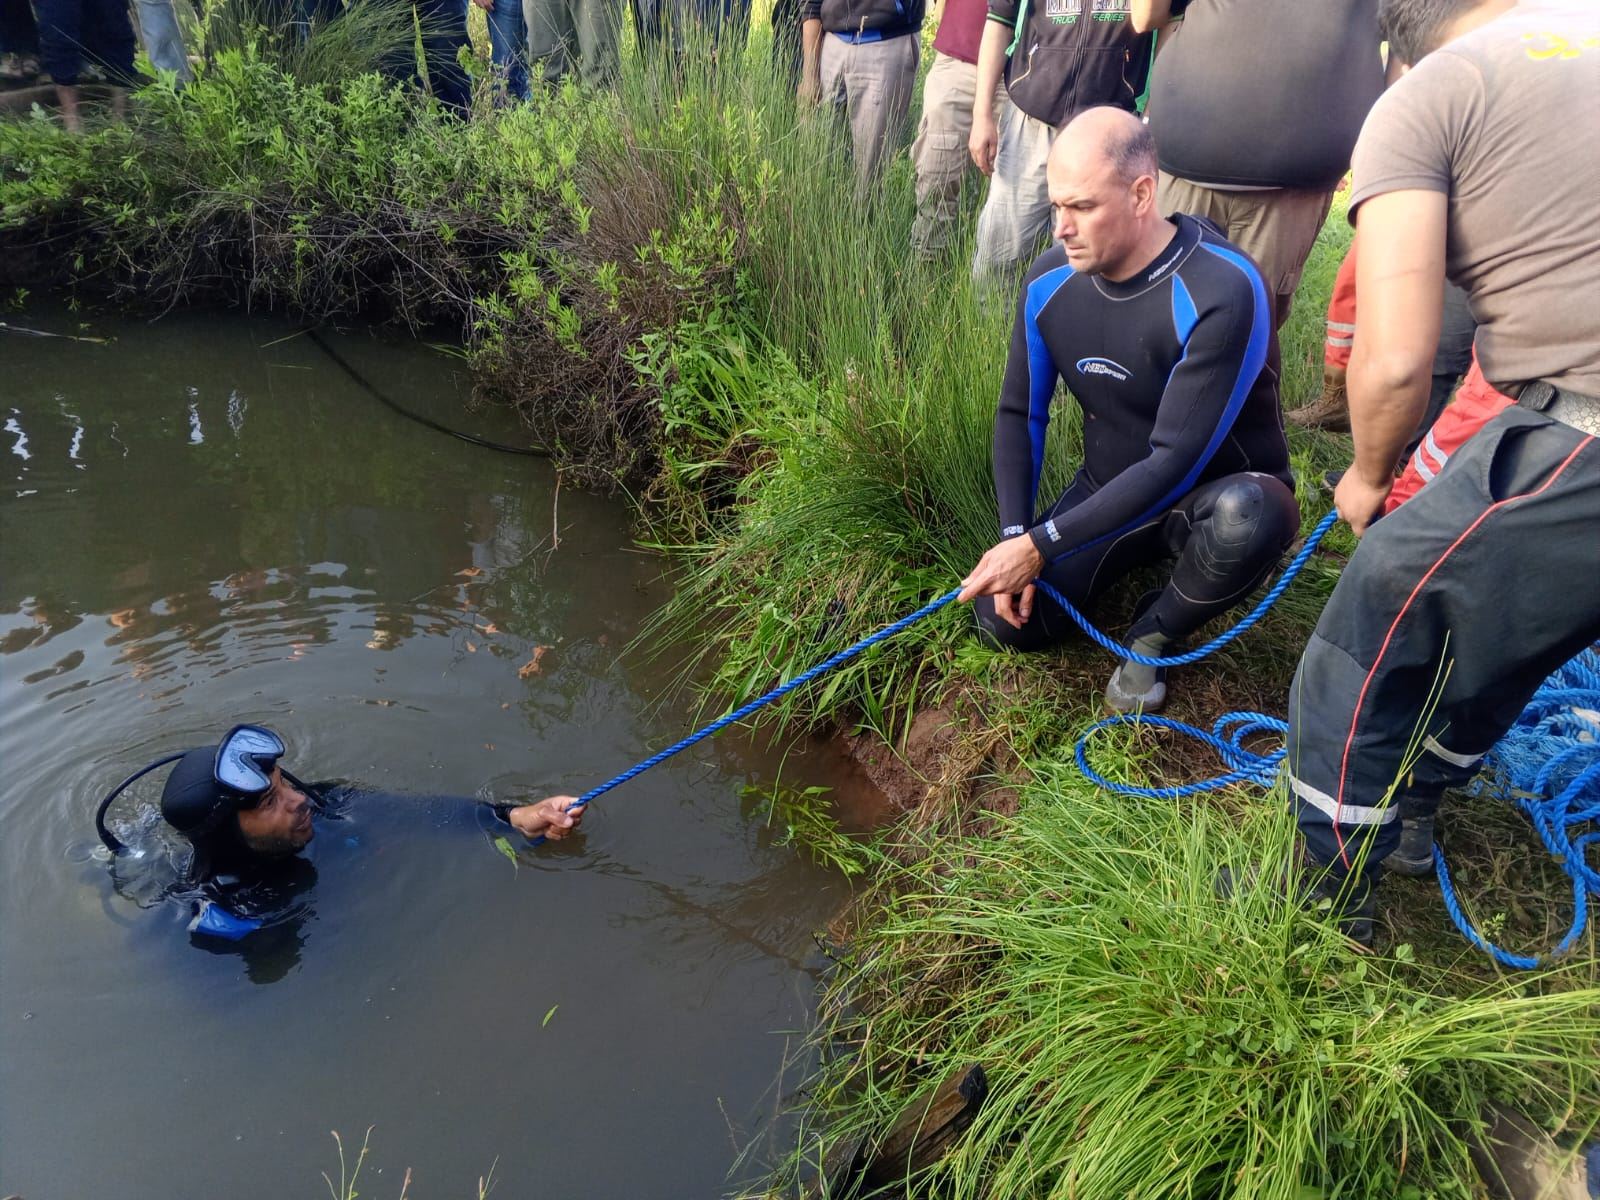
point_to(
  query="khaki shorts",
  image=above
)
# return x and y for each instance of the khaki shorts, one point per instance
(1276, 227)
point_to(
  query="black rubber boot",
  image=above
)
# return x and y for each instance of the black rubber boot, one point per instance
(1414, 855)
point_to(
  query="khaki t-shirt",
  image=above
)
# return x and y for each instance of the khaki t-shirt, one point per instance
(1506, 122)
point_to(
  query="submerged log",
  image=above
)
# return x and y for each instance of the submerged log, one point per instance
(918, 1138)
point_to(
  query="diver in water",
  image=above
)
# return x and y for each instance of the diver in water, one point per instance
(246, 818)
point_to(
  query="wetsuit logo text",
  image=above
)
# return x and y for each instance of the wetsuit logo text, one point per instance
(1104, 366)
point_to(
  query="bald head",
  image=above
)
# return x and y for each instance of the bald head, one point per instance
(1110, 136)
(1102, 175)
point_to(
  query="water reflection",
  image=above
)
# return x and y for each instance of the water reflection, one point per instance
(201, 527)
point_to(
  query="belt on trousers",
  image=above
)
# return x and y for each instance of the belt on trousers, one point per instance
(1561, 404)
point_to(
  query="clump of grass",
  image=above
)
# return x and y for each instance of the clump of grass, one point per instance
(1144, 1036)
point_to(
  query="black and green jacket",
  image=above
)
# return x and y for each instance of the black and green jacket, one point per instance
(1068, 55)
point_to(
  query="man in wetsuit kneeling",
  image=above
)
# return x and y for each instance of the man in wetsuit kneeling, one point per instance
(1163, 333)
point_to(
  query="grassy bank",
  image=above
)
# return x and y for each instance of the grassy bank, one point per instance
(678, 289)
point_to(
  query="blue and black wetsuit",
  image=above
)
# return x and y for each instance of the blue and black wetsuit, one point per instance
(1176, 371)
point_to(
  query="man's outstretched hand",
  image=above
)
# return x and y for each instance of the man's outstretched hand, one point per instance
(1006, 571)
(548, 819)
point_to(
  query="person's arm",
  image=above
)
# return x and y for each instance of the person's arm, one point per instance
(984, 141)
(551, 819)
(1020, 424)
(1146, 15)
(811, 52)
(1400, 254)
(1222, 358)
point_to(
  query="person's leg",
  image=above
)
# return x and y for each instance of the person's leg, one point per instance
(940, 154)
(158, 26)
(1451, 360)
(649, 24)
(552, 41)
(1453, 609)
(786, 42)
(61, 32)
(599, 27)
(834, 61)
(1228, 536)
(445, 31)
(879, 80)
(1277, 229)
(19, 41)
(508, 47)
(1016, 216)
(1331, 410)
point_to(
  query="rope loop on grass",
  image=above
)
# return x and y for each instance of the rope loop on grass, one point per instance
(1548, 765)
(1226, 738)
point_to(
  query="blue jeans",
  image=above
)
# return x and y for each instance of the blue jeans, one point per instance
(508, 46)
(162, 41)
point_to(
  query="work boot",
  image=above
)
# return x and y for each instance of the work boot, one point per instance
(1135, 687)
(1414, 855)
(1330, 411)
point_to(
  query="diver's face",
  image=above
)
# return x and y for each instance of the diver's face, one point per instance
(281, 823)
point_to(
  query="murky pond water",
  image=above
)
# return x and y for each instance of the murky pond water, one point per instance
(202, 524)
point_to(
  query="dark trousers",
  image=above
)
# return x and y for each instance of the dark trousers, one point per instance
(19, 32)
(786, 46)
(72, 32)
(444, 32)
(1453, 610)
(663, 25)
(1226, 536)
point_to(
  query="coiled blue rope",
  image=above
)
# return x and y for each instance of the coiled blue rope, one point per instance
(1548, 765)
(1226, 738)
(1247, 766)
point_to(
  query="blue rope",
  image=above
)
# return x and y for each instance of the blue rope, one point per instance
(884, 634)
(762, 701)
(1222, 639)
(1246, 765)
(1548, 765)
(1226, 738)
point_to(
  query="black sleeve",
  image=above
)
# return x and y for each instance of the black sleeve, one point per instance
(1223, 354)
(1004, 11)
(810, 10)
(1023, 417)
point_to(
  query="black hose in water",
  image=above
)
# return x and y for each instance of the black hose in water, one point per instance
(109, 839)
(366, 385)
